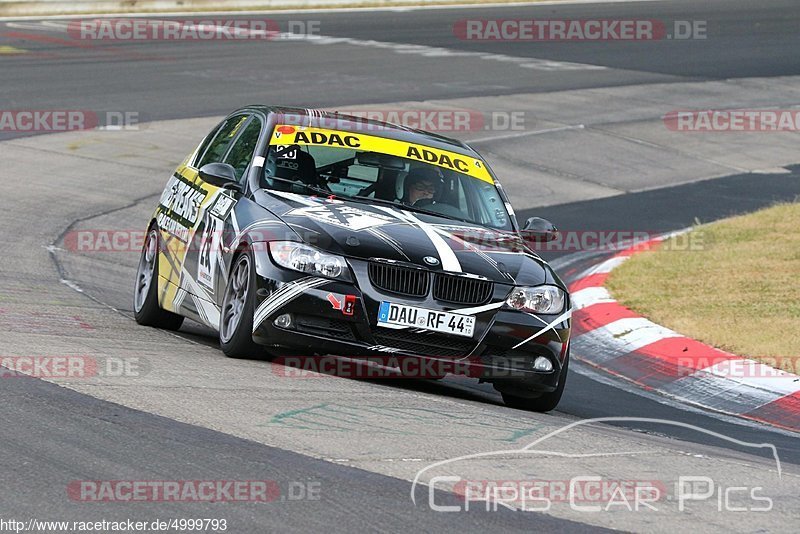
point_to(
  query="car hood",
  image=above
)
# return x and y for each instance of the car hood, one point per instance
(368, 231)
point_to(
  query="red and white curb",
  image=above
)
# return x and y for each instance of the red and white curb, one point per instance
(615, 339)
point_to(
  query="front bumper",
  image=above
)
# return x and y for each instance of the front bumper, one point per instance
(321, 324)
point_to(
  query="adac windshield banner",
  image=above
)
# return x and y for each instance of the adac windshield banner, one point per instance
(286, 135)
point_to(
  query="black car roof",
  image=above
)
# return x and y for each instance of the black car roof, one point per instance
(335, 120)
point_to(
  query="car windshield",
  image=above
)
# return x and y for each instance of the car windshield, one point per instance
(384, 171)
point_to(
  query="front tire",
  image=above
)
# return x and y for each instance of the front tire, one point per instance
(146, 309)
(238, 305)
(543, 403)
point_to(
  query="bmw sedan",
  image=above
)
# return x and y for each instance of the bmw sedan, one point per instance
(299, 232)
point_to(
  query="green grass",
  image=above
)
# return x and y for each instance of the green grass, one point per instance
(734, 284)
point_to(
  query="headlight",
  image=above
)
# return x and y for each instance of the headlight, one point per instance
(540, 299)
(299, 257)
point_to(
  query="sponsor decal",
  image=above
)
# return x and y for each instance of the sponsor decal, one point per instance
(343, 216)
(211, 240)
(209, 251)
(330, 139)
(286, 152)
(349, 307)
(172, 227)
(440, 159)
(222, 206)
(179, 207)
(285, 136)
(347, 304)
(288, 164)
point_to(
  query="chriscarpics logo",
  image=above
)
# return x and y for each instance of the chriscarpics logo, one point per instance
(583, 468)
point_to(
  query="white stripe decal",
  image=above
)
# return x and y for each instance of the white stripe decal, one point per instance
(200, 309)
(449, 260)
(207, 310)
(177, 302)
(272, 298)
(388, 240)
(251, 226)
(563, 317)
(281, 298)
(278, 298)
(478, 309)
(446, 255)
(477, 251)
(290, 296)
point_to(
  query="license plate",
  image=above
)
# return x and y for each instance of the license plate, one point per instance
(437, 321)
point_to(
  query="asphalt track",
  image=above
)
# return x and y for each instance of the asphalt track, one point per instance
(52, 434)
(165, 80)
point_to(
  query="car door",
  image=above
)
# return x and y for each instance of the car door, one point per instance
(204, 267)
(177, 216)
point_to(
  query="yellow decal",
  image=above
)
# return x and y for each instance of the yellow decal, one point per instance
(292, 135)
(173, 249)
(236, 128)
(11, 50)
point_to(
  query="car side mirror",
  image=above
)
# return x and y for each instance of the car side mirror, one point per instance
(539, 230)
(219, 174)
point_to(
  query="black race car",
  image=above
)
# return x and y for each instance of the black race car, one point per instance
(313, 233)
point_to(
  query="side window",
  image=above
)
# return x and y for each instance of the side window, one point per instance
(241, 152)
(204, 144)
(219, 146)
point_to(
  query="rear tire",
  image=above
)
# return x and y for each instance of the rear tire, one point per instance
(146, 309)
(238, 305)
(543, 403)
